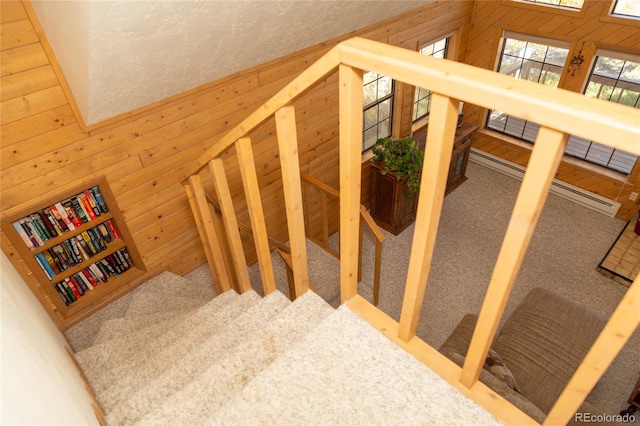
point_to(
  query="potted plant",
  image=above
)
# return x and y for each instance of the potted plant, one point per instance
(397, 163)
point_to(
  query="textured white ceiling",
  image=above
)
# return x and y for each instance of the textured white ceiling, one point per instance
(121, 55)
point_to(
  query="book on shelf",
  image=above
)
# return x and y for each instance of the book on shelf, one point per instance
(37, 228)
(98, 273)
(48, 270)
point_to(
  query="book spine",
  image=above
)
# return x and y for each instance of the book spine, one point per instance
(92, 202)
(58, 215)
(54, 257)
(39, 228)
(73, 288)
(98, 197)
(87, 206)
(69, 292)
(97, 273)
(71, 213)
(79, 210)
(45, 266)
(89, 277)
(81, 278)
(104, 232)
(87, 239)
(63, 294)
(51, 262)
(79, 284)
(113, 229)
(23, 234)
(47, 223)
(82, 247)
(65, 216)
(53, 221)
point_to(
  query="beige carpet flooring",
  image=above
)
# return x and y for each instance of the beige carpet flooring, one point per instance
(569, 242)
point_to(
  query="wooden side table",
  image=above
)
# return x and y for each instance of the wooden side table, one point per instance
(634, 400)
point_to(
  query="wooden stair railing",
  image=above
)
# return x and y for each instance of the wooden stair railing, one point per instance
(365, 218)
(559, 113)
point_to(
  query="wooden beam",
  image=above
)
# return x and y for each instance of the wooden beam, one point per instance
(350, 89)
(231, 224)
(569, 112)
(433, 182)
(290, 164)
(256, 213)
(545, 159)
(211, 241)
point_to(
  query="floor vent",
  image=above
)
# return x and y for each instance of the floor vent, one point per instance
(562, 189)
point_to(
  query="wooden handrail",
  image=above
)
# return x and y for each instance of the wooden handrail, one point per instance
(558, 112)
(368, 221)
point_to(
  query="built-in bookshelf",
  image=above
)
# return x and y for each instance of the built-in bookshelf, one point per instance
(77, 246)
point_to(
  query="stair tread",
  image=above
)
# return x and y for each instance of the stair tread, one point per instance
(101, 360)
(347, 372)
(118, 327)
(168, 294)
(198, 399)
(178, 363)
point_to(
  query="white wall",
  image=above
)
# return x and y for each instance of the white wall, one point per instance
(121, 55)
(40, 384)
(66, 24)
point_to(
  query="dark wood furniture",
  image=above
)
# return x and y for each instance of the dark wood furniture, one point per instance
(391, 208)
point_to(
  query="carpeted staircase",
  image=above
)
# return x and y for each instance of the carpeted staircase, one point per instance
(177, 356)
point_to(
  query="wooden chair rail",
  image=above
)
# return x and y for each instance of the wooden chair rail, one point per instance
(558, 112)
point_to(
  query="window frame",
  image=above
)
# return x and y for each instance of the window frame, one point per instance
(613, 14)
(559, 6)
(576, 144)
(528, 128)
(375, 104)
(415, 103)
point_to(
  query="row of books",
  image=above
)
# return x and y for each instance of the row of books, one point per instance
(61, 217)
(98, 273)
(77, 249)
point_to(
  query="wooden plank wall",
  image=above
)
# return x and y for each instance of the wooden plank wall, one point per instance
(44, 148)
(589, 28)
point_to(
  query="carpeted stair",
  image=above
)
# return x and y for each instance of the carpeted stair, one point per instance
(176, 355)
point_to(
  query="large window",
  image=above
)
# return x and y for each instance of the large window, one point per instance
(572, 4)
(626, 8)
(378, 108)
(422, 97)
(615, 77)
(529, 58)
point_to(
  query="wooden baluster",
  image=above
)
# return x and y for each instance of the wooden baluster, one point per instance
(325, 219)
(545, 158)
(621, 325)
(437, 157)
(231, 224)
(256, 213)
(350, 93)
(290, 164)
(211, 241)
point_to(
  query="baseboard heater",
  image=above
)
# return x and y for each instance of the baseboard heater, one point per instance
(562, 189)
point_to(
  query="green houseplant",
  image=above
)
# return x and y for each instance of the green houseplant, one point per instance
(401, 156)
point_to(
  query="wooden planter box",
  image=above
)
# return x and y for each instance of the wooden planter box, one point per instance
(391, 208)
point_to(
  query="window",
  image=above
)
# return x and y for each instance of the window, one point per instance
(626, 8)
(530, 58)
(572, 4)
(378, 107)
(615, 77)
(422, 97)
